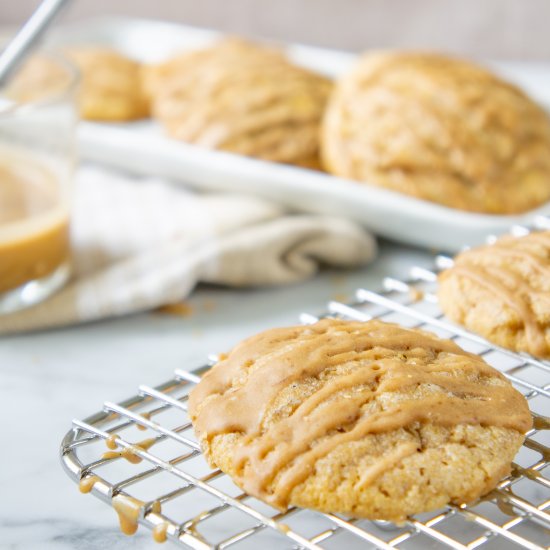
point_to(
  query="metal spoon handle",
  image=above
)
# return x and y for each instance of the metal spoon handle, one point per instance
(27, 36)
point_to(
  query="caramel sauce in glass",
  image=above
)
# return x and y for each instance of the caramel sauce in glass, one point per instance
(34, 221)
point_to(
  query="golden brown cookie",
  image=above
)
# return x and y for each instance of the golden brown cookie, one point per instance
(366, 419)
(439, 129)
(42, 77)
(502, 291)
(110, 84)
(240, 97)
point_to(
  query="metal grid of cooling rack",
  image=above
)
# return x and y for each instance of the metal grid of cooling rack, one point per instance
(202, 508)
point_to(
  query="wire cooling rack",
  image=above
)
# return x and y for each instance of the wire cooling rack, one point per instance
(201, 508)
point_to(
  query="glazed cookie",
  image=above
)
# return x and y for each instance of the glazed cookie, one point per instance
(502, 291)
(240, 97)
(367, 419)
(439, 129)
(110, 86)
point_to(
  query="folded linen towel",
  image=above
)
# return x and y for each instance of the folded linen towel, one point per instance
(139, 244)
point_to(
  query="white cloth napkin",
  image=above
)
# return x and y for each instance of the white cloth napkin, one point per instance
(139, 244)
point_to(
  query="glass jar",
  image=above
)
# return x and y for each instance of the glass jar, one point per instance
(37, 158)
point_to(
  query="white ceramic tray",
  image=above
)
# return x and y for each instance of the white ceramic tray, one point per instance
(141, 148)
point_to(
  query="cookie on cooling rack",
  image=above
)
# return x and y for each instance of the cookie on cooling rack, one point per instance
(367, 419)
(240, 97)
(440, 129)
(502, 291)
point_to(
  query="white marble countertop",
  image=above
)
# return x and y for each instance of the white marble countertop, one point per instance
(49, 378)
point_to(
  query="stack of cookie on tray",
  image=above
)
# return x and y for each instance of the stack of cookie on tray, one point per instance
(366, 419)
(427, 125)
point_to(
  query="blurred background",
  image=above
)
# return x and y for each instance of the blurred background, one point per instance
(500, 29)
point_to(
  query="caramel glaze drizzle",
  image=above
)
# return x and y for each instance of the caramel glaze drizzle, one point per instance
(128, 510)
(160, 532)
(515, 291)
(147, 416)
(87, 483)
(111, 441)
(129, 453)
(237, 392)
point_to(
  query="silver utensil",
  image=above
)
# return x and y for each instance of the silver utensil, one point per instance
(28, 36)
